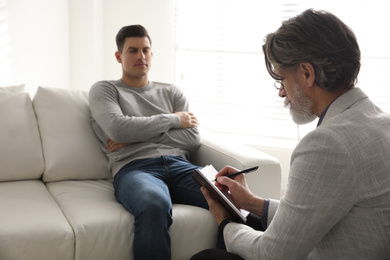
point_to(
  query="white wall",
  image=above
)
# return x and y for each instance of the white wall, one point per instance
(71, 43)
(94, 25)
(34, 43)
(85, 42)
(157, 16)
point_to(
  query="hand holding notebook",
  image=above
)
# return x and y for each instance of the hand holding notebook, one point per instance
(203, 177)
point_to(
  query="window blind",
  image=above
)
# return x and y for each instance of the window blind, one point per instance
(220, 64)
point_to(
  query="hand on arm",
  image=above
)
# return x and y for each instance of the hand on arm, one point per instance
(187, 119)
(113, 146)
(184, 135)
(182, 139)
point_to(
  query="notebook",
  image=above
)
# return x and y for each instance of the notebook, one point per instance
(203, 177)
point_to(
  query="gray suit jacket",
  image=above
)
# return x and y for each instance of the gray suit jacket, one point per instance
(337, 204)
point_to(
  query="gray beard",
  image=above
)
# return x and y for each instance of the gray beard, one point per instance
(301, 110)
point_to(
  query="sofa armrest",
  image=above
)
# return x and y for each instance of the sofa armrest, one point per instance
(265, 182)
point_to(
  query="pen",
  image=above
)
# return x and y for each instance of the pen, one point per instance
(240, 172)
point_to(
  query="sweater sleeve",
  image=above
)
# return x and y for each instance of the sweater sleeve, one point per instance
(107, 111)
(184, 138)
(144, 121)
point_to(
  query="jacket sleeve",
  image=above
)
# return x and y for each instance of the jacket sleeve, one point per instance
(320, 193)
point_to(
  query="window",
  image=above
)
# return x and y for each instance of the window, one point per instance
(220, 65)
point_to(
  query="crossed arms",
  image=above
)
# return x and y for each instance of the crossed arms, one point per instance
(129, 118)
(187, 120)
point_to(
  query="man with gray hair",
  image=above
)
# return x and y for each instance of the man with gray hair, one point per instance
(337, 204)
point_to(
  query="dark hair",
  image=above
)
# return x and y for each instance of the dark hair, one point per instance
(130, 31)
(320, 38)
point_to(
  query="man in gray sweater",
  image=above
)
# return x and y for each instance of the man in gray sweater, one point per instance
(146, 130)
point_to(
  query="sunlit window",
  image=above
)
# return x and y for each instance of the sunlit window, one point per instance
(220, 65)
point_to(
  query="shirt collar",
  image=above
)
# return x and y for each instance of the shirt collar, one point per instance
(323, 114)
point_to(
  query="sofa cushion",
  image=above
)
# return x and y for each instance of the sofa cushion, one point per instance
(12, 90)
(104, 229)
(192, 226)
(32, 225)
(70, 147)
(20, 150)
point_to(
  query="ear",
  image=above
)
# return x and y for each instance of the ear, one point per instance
(118, 56)
(308, 73)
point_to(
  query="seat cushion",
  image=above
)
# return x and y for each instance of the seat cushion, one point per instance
(32, 225)
(194, 229)
(20, 150)
(71, 150)
(104, 229)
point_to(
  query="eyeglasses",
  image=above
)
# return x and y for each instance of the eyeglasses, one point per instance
(279, 85)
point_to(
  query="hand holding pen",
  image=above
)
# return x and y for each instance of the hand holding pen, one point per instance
(240, 172)
(237, 187)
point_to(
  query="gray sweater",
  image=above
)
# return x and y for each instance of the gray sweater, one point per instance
(140, 116)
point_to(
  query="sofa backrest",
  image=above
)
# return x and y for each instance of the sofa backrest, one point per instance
(20, 145)
(70, 148)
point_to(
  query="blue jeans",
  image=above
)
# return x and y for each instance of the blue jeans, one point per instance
(147, 188)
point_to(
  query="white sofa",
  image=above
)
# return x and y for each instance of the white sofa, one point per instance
(56, 194)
